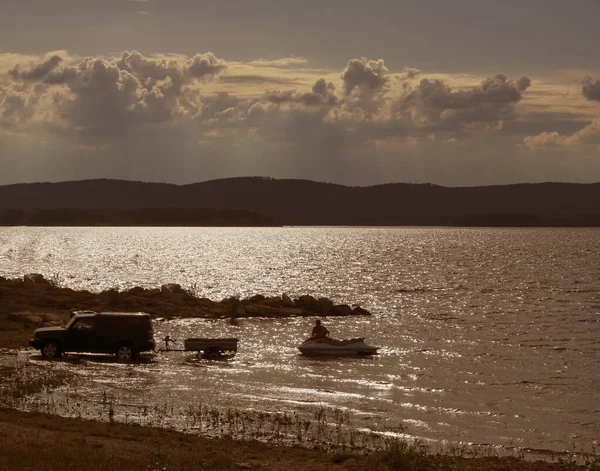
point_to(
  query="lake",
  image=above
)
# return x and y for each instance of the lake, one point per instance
(487, 336)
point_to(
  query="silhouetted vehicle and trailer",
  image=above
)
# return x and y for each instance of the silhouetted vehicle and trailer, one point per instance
(123, 334)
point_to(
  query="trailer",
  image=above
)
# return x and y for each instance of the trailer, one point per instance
(204, 346)
(211, 346)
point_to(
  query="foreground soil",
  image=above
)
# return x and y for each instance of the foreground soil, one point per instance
(34, 441)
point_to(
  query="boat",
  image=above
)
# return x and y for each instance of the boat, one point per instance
(356, 346)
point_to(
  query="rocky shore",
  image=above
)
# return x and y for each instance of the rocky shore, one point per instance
(35, 300)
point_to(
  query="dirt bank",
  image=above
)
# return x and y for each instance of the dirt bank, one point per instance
(34, 441)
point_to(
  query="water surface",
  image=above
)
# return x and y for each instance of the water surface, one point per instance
(488, 336)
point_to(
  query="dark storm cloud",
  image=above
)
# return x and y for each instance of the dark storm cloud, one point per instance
(591, 89)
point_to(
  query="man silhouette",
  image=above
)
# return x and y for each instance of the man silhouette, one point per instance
(319, 331)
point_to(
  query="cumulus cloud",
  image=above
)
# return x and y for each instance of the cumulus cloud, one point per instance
(158, 113)
(434, 101)
(365, 82)
(589, 135)
(36, 71)
(322, 94)
(591, 89)
(106, 95)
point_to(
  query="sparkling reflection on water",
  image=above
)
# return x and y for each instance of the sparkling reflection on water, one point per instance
(487, 335)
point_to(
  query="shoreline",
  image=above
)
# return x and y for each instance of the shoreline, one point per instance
(34, 301)
(28, 439)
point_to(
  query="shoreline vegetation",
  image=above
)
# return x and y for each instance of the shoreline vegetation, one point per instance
(143, 217)
(36, 439)
(209, 217)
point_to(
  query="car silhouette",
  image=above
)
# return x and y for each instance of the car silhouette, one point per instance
(122, 334)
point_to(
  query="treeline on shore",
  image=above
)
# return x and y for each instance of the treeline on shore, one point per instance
(134, 217)
(528, 220)
(194, 217)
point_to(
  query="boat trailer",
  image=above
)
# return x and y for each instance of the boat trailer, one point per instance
(203, 346)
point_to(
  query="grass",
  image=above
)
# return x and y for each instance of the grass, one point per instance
(36, 441)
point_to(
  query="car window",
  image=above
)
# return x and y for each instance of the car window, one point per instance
(83, 325)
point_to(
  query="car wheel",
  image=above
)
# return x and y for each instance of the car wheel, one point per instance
(51, 349)
(125, 353)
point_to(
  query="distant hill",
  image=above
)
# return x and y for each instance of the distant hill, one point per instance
(304, 202)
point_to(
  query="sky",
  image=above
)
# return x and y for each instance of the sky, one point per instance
(455, 93)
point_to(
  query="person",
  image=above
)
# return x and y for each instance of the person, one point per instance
(319, 331)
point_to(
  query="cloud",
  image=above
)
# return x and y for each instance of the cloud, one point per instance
(257, 79)
(322, 94)
(365, 83)
(434, 101)
(284, 62)
(589, 135)
(105, 96)
(36, 71)
(202, 111)
(591, 89)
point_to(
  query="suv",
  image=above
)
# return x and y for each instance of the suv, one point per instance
(124, 334)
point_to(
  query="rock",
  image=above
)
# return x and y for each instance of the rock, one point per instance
(268, 311)
(222, 461)
(244, 466)
(257, 298)
(341, 310)
(33, 320)
(325, 306)
(136, 290)
(166, 292)
(286, 301)
(51, 318)
(240, 311)
(290, 311)
(35, 280)
(273, 301)
(17, 316)
(359, 311)
(174, 287)
(25, 317)
(342, 457)
(252, 309)
(307, 302)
